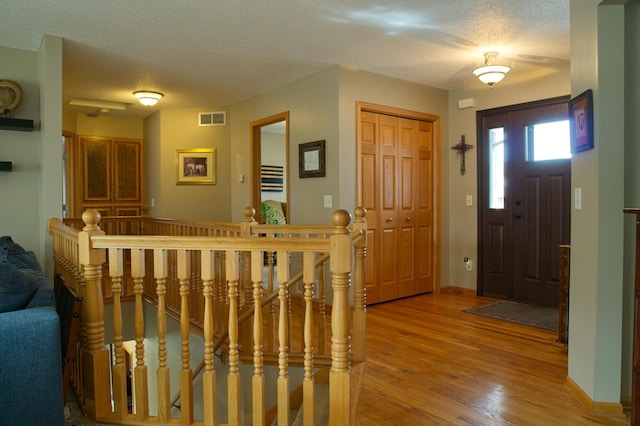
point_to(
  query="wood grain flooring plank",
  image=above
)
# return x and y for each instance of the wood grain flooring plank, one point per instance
(429, 363)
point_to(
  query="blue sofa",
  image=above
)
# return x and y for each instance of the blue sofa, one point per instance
(30, 355)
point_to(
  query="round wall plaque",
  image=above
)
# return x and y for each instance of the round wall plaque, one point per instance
(10, 95)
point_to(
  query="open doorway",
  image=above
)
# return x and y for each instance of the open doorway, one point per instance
(270, 167)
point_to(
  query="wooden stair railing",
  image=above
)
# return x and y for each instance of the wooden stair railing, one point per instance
(82, 257)
(266, 301)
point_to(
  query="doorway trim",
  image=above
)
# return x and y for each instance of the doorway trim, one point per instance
(415, 115)
(256, 161)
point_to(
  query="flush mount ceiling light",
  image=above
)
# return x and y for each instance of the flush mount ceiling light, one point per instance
(147, 98)
(491, 73)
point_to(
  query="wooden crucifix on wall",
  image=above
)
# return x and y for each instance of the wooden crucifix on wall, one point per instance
(462, 147)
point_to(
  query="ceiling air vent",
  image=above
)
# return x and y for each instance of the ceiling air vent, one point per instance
(213, 118)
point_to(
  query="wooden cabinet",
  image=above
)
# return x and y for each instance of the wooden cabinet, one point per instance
(111, 179)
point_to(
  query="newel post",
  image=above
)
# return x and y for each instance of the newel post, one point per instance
(359, 334)
(96, 356)
(340, 374)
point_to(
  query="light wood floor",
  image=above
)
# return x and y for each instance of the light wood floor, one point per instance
(429, 363)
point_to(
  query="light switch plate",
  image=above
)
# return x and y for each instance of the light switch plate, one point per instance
(469, 200)
(578, 199)
(328, 201)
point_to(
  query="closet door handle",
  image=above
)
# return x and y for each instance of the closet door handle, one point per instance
(389, 219)
(409, 219)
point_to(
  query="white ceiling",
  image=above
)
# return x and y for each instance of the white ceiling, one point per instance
(204, 53)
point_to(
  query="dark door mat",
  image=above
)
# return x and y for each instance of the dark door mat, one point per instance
(520, 313)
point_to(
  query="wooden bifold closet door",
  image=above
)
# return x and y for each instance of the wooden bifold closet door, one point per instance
(396, 186)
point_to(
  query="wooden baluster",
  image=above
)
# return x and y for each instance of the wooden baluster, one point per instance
(186, 374)
(208, 266)
(340, 374)
(81, 347)
(245, 341)
(322, 328)
(359, 333)
(258, 395)
(160, 272)
(140, 378)
(173, 296)
(195, 290)
(308, 272)
(116, 269)
(233, 379)
(223, 313)
(272, 342)
(284, 411)
(96, 357)
(218, 318)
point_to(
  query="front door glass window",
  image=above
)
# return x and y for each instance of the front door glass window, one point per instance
(547, 141)
(496, 166)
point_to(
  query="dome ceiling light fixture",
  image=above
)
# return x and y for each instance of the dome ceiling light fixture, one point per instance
(148, 98)
(491, 73)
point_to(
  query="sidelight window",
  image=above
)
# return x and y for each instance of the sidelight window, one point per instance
(496, 168)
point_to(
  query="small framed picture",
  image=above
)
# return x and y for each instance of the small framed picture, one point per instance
(581, 122)
(311, 159)
(196, 166)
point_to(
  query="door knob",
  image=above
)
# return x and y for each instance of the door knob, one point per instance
(518, 202)
(409, 219)
(389, 219)
(517, 215)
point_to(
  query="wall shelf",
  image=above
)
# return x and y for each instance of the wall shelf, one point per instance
(16, 124)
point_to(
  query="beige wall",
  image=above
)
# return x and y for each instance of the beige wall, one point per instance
(20, 188)
(595, 314)
(463, 229)
(312, 105)
(32, 192)
(173, 129)
(153, 167)
(109, 126)
(102, 125)
(323, 106)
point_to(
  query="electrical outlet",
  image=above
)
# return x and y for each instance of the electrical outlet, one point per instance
(468, 265)
(328, 201)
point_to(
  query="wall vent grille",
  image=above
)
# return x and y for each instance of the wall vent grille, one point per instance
(218, 118)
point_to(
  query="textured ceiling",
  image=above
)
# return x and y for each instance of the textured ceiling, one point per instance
(216, 53)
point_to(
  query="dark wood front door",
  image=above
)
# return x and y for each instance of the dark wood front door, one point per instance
(524, 200)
